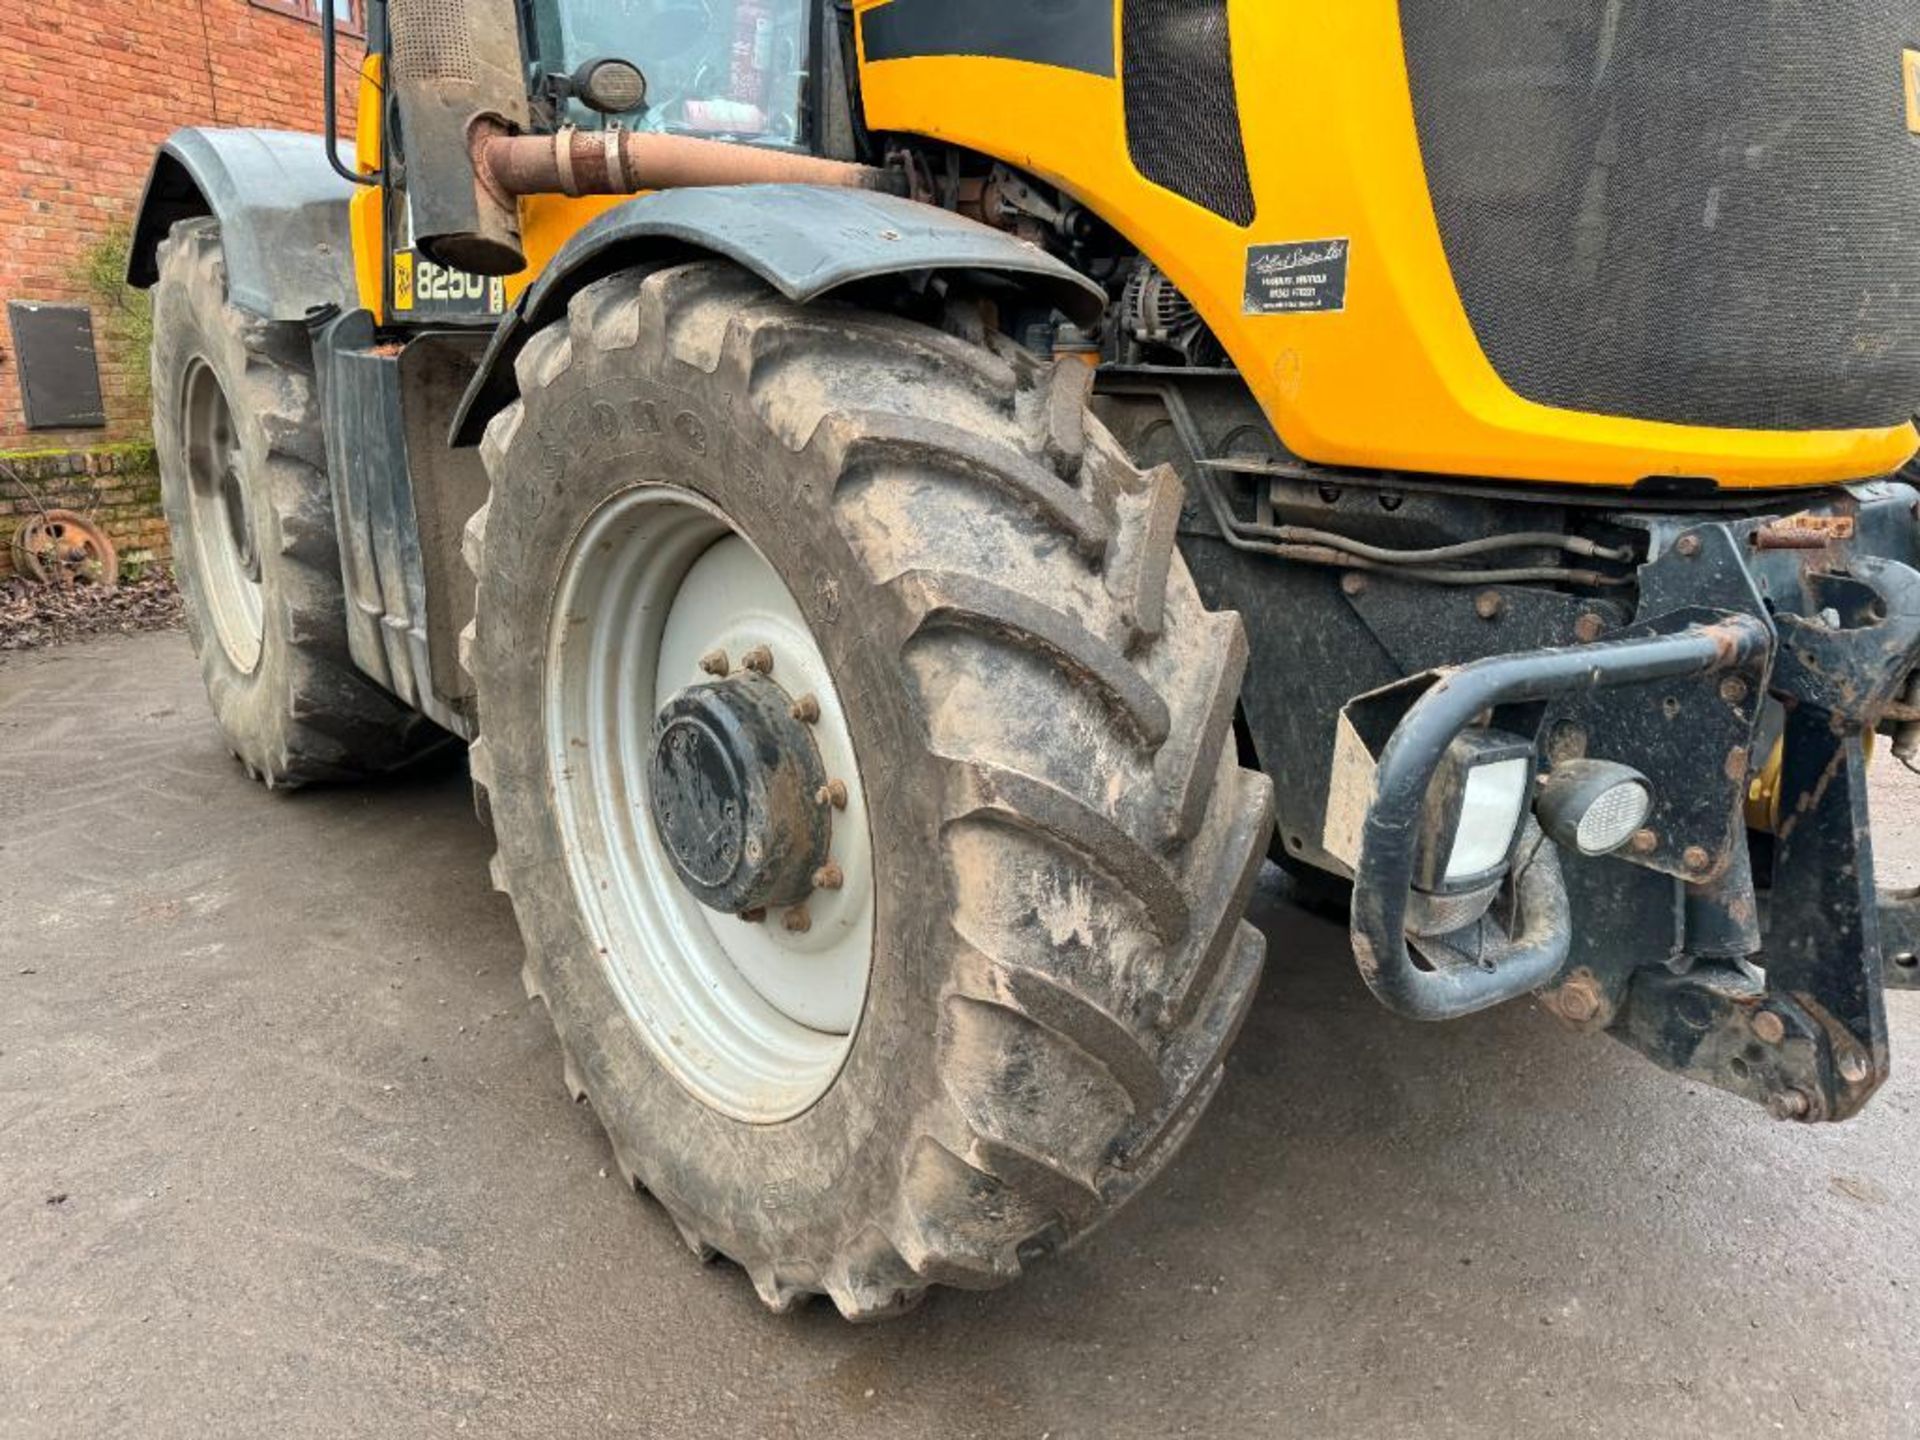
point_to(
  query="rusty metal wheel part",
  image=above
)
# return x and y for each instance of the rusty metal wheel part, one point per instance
(60, 547)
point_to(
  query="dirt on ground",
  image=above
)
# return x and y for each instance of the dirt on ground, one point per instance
(285, 1152)
(33, 615)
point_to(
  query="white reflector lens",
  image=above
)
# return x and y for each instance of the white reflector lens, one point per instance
(1593, 806)
(1612, 818)
(1491, 804)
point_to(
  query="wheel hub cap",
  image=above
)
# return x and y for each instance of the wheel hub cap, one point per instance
(734, 781)
(698, 752)
(225, 551)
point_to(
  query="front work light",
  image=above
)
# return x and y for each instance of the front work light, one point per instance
(612, 86)
(1593, 807)
(1475, 807)
(1473, 812)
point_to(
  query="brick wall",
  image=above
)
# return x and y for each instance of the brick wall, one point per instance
(91, 89)
(115, 486)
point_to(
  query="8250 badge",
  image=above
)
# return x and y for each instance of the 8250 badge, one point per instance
(421, 287)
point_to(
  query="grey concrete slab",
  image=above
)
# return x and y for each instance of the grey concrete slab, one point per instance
(285, 1153)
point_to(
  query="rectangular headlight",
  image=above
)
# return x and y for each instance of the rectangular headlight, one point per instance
(1474, 810)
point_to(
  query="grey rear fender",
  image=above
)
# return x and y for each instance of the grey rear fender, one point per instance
(282, 214)
(804, 240)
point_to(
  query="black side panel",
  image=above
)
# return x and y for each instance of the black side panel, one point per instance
(401, 499)
(1183, 115)
(1072, 34)
(1704, 212)
(448, 487)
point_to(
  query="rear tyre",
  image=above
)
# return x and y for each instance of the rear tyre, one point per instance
(243, 482)
(1047, 837)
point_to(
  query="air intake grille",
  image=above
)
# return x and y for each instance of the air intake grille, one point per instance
(1183, 117)
(430, 41)
(1704, 212)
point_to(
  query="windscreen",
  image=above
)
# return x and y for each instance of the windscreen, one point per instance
(733, 69)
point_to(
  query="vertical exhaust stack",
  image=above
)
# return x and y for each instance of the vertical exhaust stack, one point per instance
(458, 79)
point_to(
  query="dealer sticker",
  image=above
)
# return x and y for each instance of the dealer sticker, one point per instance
(1297, 278)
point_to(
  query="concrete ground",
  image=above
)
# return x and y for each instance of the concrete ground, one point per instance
(285, 1153)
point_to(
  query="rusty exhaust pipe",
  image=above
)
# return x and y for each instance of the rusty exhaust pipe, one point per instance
(623, 162)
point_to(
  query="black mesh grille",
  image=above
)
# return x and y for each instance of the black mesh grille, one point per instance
(1183, 118)
(1701, 212)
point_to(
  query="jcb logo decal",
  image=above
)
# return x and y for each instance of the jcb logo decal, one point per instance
(403, 280)
(1912, 68)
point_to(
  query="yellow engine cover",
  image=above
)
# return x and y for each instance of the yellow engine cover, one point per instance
(1375, 366)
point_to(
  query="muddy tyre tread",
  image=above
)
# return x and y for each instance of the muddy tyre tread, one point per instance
(306, 714)
(1069, 1071)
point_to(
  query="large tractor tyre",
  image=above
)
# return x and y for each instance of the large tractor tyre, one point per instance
(861, 762)
(243, 481)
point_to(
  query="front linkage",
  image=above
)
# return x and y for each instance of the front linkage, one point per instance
(1737, 935)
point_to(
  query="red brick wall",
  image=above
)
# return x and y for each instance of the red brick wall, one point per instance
(90, 88)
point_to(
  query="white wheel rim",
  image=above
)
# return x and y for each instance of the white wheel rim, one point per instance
(224, 541)
(752, 1018)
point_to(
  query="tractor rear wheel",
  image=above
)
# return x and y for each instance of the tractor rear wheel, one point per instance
(861, 763)
(243, 481)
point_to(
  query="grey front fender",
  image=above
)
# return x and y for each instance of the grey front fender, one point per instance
(804, 240)
(282, 214)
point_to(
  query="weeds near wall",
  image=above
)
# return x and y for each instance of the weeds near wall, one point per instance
(124, 314)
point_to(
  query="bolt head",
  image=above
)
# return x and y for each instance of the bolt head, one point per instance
(1733, 690)
(797, 921)
(1769, 1028)
(1788, 1105)
(806, 709)
(1588, 628)
(1488, 604)
(1695, 858)
(1579, 1000)
(716, 664)
(833, 793)
(829, 877)
(1645, 842)
(760, 659)
(1353, 583)
(1854, 1068)
(1687, 545)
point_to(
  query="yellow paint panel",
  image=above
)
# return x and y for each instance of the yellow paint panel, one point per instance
(546, 223)
(1394, 380)
(1912, 69)
(366, 212)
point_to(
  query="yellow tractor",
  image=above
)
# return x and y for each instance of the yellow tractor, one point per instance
(911, 504)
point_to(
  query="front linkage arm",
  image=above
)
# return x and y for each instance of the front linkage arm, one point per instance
(1766, 975)
(1809, 1038)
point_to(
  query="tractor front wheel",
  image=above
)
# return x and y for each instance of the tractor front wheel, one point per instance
(860, 760)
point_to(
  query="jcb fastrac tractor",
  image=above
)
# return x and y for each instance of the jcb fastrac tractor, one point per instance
(911, 503)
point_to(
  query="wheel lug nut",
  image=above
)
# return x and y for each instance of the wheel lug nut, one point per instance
(797, 920)
(829, 877)
(833, 793)
(806, 709)
(755, 915)
(714, 662)
(759, 658)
